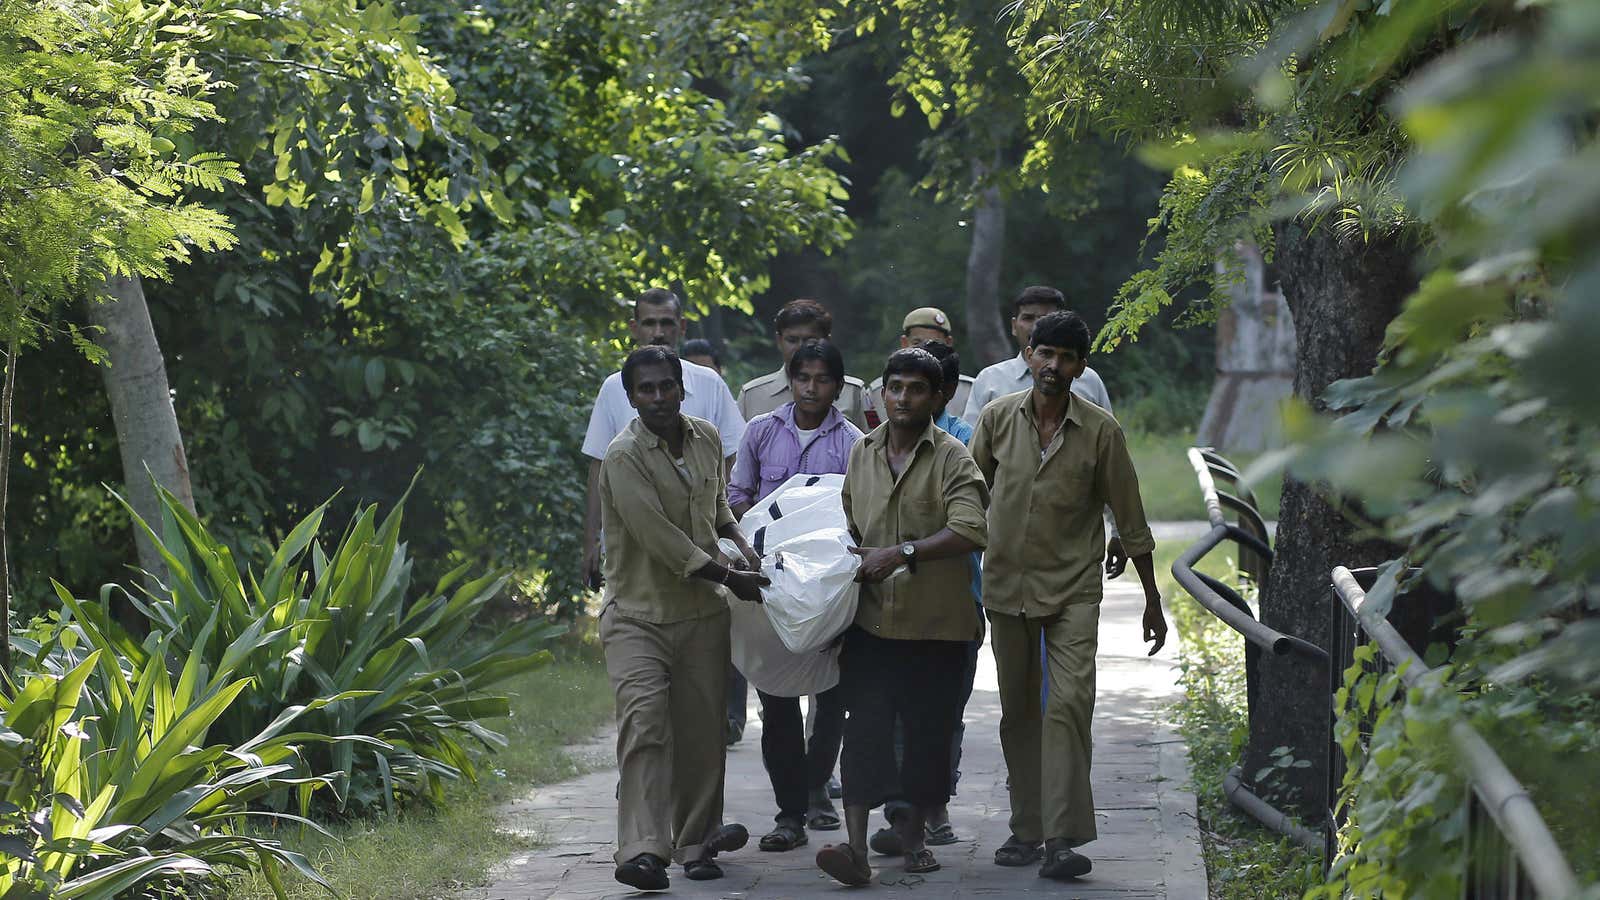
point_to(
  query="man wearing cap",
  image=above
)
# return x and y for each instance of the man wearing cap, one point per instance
(798, 323)
(920, 326)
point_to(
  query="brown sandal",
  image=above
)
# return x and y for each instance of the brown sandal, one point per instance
(843, 865)
(921, 862)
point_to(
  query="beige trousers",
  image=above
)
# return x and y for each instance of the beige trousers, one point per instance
(1047, 755)
(671, 685)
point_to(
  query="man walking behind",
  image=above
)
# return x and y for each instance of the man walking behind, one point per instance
(1053, 460)
(798, 323)
(664, 626)
(915, 500)
(657, 322)
(808, 435)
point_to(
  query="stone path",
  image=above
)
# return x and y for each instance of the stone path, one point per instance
(1148, 848)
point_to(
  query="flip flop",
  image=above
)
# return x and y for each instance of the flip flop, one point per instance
(843, 866)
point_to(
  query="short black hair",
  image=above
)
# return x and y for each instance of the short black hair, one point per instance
(949, 360)
(1062, 329)
(803, 312)
(915, 361)
(648, 356)
(700, 347)
(823, 350)
(659, 297)
(1037, 294)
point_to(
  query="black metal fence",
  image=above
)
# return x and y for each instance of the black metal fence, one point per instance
(1510, 852)
(1249, 532)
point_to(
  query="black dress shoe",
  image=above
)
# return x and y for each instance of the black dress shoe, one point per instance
(1063, 863)
(728, 838)
(645, 872)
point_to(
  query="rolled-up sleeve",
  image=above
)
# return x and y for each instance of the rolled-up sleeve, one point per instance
(1117, 484)
(966, 497)
(630, 489)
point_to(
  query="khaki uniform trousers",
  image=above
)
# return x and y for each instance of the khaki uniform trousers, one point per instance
(671, 685)
(1047, 755)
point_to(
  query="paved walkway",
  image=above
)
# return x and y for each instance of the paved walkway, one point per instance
(1148, 848)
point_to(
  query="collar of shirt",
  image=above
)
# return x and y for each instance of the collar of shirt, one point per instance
(1074, 414)
(652, 440)
(954, 426)
(879, 438)
(1017, 368)
(830, 421)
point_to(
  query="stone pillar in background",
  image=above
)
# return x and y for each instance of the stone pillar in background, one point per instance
(1255, 363)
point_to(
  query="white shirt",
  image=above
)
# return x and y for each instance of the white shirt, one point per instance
(1012, 375)
(705, 396)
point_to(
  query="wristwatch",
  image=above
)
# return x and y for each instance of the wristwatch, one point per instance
(908, 552)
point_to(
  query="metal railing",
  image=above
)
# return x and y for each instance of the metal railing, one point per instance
(1250, 533)
(1510, 852)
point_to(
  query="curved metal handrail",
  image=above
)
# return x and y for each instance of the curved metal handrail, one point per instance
(1226, 604)
(1241, 621)
(1505, 799)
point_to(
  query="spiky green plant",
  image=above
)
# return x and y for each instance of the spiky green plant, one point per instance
(342, 635)
(109, 787)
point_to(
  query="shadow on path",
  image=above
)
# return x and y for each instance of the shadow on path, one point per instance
(1148, 848)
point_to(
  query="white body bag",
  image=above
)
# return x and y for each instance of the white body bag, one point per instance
(784, 646)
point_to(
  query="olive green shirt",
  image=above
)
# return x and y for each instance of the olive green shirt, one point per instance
(760, 396)
(660, 524)
(939, 487)
(1046, 544)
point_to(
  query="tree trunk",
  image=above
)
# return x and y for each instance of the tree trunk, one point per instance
(985, 338)
(7, 393)
(141, 406)
(1255, 361)
(1342, 295)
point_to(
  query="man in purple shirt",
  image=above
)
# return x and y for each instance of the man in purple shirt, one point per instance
(805, 436)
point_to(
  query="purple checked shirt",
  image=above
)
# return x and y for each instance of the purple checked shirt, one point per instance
(771, 453)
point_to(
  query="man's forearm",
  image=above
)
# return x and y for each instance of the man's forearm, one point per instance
(591, 506)
(1145, 565)
(943, 544)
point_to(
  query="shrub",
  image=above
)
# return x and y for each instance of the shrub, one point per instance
(336, 634)
(109, 789)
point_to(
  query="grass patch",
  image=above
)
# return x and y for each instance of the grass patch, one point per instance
(421, 853)
(1167, 483)
(1244, 860)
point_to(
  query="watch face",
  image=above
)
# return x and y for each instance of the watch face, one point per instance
(907, 550)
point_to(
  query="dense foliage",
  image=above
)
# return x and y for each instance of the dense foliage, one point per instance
(338, 640)
(1469, 128)
(110, 785)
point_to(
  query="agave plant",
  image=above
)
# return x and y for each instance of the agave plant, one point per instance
(338, 635)
(109, 788)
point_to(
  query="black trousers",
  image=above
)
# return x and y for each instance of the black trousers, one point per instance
(795, 767)
(916, 682)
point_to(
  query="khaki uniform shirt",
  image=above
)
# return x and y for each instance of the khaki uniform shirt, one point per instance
(660, 525)
(760, 396)
(1046, 543)
(938, 487)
